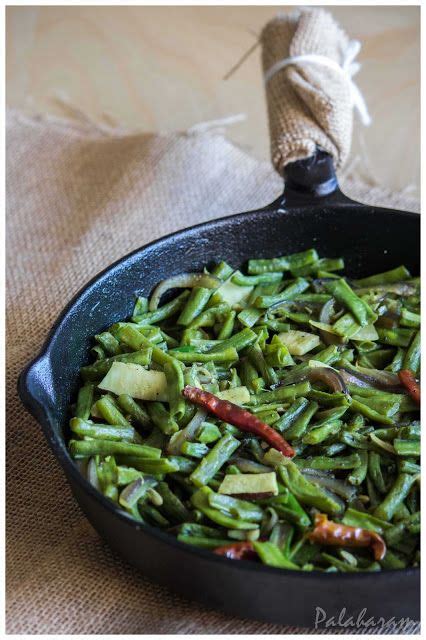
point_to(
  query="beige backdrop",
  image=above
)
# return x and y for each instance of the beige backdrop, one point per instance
(161, 69)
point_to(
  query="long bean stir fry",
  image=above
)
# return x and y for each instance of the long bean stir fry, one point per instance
(271, 417)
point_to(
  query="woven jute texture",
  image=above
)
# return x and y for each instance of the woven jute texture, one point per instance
(309, 105)
(78, 198)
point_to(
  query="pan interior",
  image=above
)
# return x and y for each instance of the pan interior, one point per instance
(370, 239)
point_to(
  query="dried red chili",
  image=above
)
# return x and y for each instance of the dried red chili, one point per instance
(241, 418)
(237, 551)
(410, 383)
(332, 533)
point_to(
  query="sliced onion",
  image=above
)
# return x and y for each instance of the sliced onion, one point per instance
(377, 378)
(182, 281)
(400, 288)
(187, 434)
(289, 305)
(351, 378)
(284, 304)
(338, 487)
(250, 466)
(332, 378)
(270, 520)
(321, 473)
(279, 533)
(329, 377)
(386, 446)
(92, 474)
(325, 316)
(131, 493)
(292, 377)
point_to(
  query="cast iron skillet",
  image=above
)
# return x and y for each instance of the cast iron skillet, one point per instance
(312, 212)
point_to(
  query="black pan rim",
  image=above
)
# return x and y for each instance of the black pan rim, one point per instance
(58, 445)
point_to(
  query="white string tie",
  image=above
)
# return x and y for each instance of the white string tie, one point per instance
(348, 69)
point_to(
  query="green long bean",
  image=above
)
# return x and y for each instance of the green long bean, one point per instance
(214, 460)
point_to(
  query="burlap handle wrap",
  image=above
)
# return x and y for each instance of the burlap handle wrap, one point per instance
(309, 105)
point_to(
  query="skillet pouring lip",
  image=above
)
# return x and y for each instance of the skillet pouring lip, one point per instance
(58, 444)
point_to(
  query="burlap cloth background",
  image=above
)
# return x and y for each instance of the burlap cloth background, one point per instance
(78, 199)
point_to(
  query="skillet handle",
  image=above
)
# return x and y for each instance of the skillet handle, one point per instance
(35, 388)
(312, 181)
